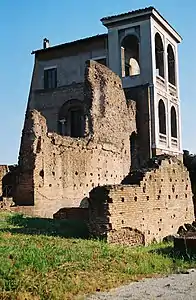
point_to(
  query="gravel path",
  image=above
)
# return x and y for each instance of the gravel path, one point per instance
(174, 287)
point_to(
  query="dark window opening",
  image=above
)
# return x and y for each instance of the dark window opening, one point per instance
(76, 117)
(171, 65)
(173, 123)
(71, 119)
(50, 78)
(162, 117)
(159, 55)
(101, 61)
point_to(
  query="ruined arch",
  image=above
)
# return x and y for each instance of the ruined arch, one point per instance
(71, 118)
(171, 65)
(162, 117)
(173, 122)
(159, 55)
(130, 56)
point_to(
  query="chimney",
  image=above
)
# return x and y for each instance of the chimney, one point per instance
(46, 43)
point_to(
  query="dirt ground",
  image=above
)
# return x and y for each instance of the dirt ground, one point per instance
(173, 287)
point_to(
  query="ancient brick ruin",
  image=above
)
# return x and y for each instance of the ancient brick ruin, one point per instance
(57, 171)
(99, 111)
(150, 205)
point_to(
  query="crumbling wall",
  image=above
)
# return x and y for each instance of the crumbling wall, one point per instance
(3, 172)
(58, 171)
(154, 204)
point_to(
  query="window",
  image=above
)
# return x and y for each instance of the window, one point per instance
(171, 65)
(162, 118)
(159, 55)
(50, 78)
(76, 120)
(173, 123)
(130, 56)
(71, 119)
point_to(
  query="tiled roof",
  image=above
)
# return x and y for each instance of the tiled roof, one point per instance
(130, 13)
(87, 39)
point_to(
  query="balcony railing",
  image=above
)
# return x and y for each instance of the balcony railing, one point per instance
(160, 81)
(162, 138)
(174, 142)
(172, 90)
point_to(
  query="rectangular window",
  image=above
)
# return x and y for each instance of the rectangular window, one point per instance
(50, 78)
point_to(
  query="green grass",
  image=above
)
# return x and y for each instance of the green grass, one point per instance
(40, 260)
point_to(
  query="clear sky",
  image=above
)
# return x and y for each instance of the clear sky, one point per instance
(23, 25)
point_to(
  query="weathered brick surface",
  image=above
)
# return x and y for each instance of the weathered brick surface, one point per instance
(155, 204)
(57, 171)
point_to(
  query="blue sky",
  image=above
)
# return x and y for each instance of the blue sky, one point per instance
(23, 25)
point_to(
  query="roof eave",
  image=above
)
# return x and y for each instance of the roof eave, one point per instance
(83, 40)
(108, 21)
(151, 11)
(166, 24)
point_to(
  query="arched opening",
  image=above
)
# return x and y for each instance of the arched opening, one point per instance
(71, 119)
(162, 117)
(173, 122)
(130, 56)
(159, 55)
(171, 65)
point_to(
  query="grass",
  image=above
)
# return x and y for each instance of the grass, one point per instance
(50, 259)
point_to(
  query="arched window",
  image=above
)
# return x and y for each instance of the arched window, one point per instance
(71, 119)
(171, 65)
(159, 55)
(173, 122)
(162, 117)
(130, 56)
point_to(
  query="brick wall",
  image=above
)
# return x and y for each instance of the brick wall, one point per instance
(57, 171)
(152, 206)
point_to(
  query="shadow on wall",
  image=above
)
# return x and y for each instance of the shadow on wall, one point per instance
(49, 227)
(9, 181)
(189, 161)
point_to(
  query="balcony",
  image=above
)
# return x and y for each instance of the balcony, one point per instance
(172, 90)
(174, 142)
(160, 81)
(162, 139)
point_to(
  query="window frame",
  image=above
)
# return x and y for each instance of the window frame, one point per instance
(50, 78)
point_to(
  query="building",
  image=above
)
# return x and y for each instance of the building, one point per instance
(102, 133)
(99, 107)
(142, 48)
